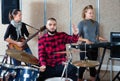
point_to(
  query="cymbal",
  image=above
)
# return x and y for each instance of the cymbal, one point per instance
(68, 52)
(86, 63)
(22, 56)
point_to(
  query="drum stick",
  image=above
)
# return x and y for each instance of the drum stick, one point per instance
(36, 66)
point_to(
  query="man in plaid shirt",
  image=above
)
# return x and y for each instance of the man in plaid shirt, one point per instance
(51, 63)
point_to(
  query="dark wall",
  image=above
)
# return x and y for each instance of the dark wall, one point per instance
(8, 5)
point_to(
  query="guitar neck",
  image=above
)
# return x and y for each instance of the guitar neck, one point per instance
(31, 36)
(41, 29)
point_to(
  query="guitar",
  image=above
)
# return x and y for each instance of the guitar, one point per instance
(14, 46)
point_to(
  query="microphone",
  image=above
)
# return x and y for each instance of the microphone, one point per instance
(30, 26)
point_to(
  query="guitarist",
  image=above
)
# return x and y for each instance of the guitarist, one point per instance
(15, 33)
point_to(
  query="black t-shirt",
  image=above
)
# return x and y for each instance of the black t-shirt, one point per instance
(11, 32)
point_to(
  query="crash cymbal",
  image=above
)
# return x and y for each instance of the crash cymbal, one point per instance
(22, 56)
(86, 63)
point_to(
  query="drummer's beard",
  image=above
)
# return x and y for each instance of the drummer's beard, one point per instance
(52, 32)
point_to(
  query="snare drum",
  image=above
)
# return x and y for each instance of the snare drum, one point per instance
(58, 79)
(25, 73)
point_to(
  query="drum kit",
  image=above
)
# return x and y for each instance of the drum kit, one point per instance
(82, 63)
(9, 72)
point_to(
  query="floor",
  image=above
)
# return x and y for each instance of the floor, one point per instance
(104, 75)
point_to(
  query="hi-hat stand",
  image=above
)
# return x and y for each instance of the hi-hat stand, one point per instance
(5, 75)
(5, 58)
(66, 66)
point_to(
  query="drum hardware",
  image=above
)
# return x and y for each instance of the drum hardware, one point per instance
(25, 73)
(18, 73)
(35, 66)
(22, 73)
(22, 56)
(68, 52)
(8, 72)
(86, 63)
(5, 58)
(104, 45)
(66, 66)
(9, 75)
(57, 79)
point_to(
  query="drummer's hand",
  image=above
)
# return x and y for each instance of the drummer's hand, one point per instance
(75, 29)
(42, 68)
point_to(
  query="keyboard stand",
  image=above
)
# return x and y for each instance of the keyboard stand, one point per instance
(117, 77)
(98, 71)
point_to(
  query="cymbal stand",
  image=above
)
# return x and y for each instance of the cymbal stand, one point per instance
(5, 58)
(66, 66)
(86, 58)
(6, 74)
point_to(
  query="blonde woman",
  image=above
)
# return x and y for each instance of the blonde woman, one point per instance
(89, 33)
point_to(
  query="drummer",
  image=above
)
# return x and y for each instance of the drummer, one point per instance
(51, 63)
(16, 31)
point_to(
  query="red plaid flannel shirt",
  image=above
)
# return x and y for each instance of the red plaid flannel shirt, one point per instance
(48, 45)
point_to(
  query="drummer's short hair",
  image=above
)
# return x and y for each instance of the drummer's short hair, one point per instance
(52, 19)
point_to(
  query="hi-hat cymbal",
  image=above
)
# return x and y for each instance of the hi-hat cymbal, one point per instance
(68, 52)
(22, 56)
(86, 63)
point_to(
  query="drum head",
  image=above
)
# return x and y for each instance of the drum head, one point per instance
(9, 66)
(58, 79)
(26, 68)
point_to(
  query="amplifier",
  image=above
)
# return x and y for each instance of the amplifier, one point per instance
(115, 50)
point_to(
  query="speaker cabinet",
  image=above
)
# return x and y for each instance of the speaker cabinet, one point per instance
(115, 50)
(8, 5)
